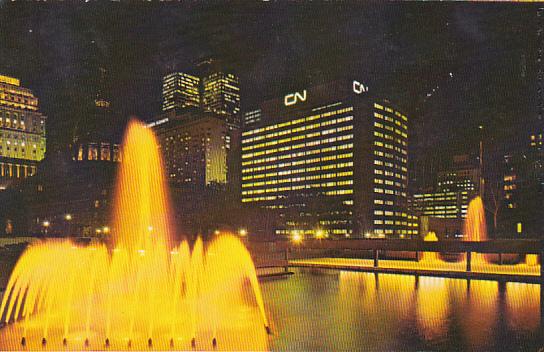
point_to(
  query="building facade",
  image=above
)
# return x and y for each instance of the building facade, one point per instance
(331, 161)
(196, 149)
(180, 90)
(211, 88)
(22, 132)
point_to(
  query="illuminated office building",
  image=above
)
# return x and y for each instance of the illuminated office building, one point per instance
(221, 94)
(22, 132)
(211, 88)
(441, 204)
(331, 160)
(252, 117)
(180, 90)
(454, 189)
(196, 148)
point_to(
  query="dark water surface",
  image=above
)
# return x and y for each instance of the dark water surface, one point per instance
(341, 310)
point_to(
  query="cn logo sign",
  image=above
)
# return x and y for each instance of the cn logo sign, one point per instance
(293, 98)
(359, 88)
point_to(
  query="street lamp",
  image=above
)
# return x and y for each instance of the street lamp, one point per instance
(242, 232)
(46, 225)
(68, 217)
(106, 230)
(319, 234)
(297, 237)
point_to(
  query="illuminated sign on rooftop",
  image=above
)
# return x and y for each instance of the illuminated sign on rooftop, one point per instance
(359, 87)
(293, 98)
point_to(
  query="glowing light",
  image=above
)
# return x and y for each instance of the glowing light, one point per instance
(242, 232)
(319, 234)
(68, 217)
(137, 290)
(296, 237)
(46, 223)
(106, 229)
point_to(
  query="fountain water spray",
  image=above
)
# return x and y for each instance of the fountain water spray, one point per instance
(143, 288)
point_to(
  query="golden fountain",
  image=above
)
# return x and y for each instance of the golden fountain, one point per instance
(142, 291)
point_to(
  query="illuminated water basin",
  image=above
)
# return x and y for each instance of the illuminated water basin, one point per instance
(322, 309)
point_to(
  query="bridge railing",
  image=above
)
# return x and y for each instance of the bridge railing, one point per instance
(377, 247)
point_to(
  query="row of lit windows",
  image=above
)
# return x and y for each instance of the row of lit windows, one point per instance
(16, 170)
(391, 128)
(303, 145)
(379, 106)
(304, 186)
(291, 123)
(297, 179)
(274, 136)
(300, 154)
(307, 170)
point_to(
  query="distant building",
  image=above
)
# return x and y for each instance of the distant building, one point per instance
(180, 90)
(441, 204)
(453, 190)
(221, 93)
(73, 192)
(22, 132)
(330, 160)
(252, 117)
(196, 148)
(523, 191)
(209, 87)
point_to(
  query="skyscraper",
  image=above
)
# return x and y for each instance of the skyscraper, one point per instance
(196, 149)
(212, 88)
(221, 93)
(330, 160)
(180, 90)
(22, 132)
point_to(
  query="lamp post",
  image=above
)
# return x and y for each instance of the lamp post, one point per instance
(46, 225)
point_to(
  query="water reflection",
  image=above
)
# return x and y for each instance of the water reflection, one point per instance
(367, 311)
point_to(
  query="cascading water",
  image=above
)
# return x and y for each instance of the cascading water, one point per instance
(143, 292)
(475, 228)
(430, 257)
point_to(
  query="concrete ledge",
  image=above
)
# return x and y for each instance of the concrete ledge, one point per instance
(533, 279)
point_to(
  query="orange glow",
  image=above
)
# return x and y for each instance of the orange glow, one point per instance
(144, 292)
(430, 257)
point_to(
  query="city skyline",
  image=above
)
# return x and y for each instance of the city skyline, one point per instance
(451, 63)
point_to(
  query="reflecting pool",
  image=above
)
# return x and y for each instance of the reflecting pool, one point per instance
(317, 309)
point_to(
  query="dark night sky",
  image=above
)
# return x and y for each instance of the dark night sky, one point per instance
(403, 50)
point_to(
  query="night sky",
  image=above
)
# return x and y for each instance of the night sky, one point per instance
(479, 58)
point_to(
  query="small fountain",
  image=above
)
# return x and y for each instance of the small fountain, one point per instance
(475, 228)
(430, 257)
(143, 292)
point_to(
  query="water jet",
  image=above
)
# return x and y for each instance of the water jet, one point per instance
(138, 280)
